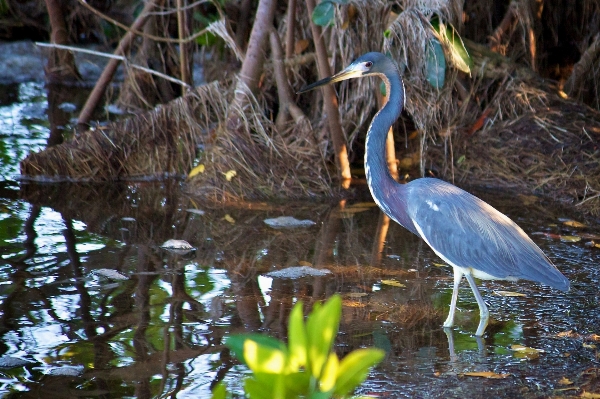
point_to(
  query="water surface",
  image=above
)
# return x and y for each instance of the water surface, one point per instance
(67, 330)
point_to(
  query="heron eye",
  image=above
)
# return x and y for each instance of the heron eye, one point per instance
(368, 64)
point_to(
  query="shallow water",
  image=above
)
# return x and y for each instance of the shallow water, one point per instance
(66, 329)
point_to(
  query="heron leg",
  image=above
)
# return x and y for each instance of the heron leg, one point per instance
(457, 277)
(484, 314)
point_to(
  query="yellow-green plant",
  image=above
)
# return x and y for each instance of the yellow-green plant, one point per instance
(305, 368)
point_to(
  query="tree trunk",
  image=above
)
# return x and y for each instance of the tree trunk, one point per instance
(111, 67)
(255, 58)
(61, 63)
(331, 103)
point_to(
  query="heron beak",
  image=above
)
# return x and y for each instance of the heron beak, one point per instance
(350, 72)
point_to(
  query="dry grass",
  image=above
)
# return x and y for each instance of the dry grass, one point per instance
(156, 143)
(539, 143)
(533, 140)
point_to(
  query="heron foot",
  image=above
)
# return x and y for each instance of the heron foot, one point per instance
(483, 322)
(449, 322)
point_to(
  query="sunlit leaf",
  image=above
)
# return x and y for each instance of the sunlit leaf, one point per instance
(197, 170)
(567, 334)
(229, 219)
(323, 13)
(353, 304)
(297, 339)
(565, 381)
(593, 337)
(590, 395)
(265, 359)
(526, 352)
(480, 122)
(456, 48)
(573, 223)
(321, 328)
(509, 293)
(435, 64)
(589, 346)
(237, 344)
(485, 374)
(354, 368)
(570, 238)
(230, 174)
(329, 374)
(393, 283)
(300, 46)
(356, 294)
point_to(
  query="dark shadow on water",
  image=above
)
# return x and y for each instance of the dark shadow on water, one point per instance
(159, 331)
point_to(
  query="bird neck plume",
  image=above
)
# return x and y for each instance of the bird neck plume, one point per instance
(381, 184)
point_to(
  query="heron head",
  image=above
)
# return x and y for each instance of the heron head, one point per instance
(365, 65)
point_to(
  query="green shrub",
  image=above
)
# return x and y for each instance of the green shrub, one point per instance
(305, 368)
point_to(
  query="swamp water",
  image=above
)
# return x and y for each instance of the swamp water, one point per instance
(91, 306)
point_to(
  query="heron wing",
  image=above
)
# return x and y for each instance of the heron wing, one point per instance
(467, 232)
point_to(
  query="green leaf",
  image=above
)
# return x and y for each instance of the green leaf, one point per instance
(329, 375)
(319, 395)
(207, 39)
(382, 89)
(237, 345)
(256, 389)
(219, 391)
(323, 13)
(261, 358)
(297, 384)
(354, 368)
(262, 383)
(435, 64)
(297, 339)
(321, 328)
(457, 51)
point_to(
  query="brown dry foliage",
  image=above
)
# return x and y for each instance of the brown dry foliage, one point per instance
(532, 139)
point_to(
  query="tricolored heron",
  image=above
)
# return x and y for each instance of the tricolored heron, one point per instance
(466, 232)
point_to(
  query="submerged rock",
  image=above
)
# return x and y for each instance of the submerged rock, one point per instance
(111, 274)
(288, 222)
(179, 247)
(9, 362)
(298, 272)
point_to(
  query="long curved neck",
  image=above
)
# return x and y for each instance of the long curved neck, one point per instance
(383, 187)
